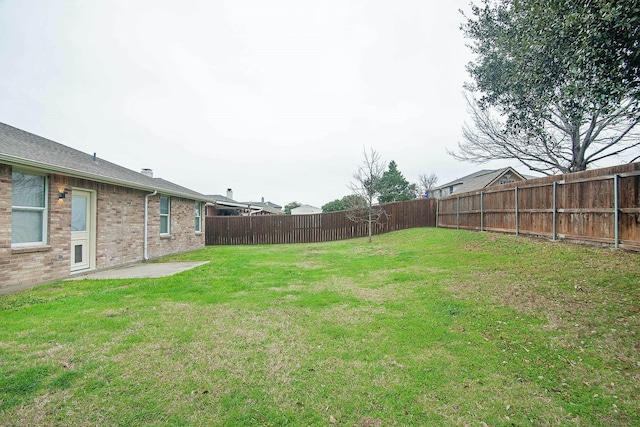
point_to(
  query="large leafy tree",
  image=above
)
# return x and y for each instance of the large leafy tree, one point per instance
(394, 187)
(346, 203)
(557, 82)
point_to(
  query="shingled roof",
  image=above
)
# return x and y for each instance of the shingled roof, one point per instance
(479, 180)
(20, 148)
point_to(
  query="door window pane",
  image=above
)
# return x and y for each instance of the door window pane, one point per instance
(78, 254)
(79, 213)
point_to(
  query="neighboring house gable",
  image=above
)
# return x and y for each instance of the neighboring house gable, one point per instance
(478, 180)
(63, 211)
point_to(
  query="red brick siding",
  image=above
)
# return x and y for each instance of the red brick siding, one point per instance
(119, 231)
(182, 235)
(23, 267)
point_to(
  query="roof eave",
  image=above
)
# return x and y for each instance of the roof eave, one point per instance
(228, 204)
(18, 161)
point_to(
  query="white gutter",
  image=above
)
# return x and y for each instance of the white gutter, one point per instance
(146, 226)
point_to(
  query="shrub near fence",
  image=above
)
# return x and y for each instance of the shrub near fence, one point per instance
(270, 229)
(601, 205)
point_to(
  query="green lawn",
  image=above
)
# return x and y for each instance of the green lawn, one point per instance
(422, 327)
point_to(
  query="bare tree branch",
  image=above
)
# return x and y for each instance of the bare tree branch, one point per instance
(427, 182)
(366, 185)
(562, 143)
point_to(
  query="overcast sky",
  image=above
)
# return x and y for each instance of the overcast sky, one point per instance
(273, 98)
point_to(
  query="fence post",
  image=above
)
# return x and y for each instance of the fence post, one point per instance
(458, 214)
(437, 211)
(517, 210)
(555, 187)
(250, 228)
(482, 211)
(616, 215)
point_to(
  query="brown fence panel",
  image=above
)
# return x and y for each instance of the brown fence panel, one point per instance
(581, 206)
(586, 210)
(470, 212)
(535, 210)
(249, 230)
(447, 212)
(629, 189)
(499, 210)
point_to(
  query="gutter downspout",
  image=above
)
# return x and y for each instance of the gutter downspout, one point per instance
(146, 226)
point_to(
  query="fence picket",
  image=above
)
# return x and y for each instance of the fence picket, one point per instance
(271, 229)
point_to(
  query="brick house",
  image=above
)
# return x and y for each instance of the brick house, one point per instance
(64, 212)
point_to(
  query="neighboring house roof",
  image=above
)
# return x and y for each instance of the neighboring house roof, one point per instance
(459, 181)
(266, 206)
(255, 207)
(480, 179)
(306, 208)
(219, 198)
(21, 148)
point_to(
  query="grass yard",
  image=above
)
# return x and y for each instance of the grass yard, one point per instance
(424, 327)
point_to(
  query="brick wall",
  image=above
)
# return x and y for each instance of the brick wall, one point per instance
(182, 236)
(119, 231)
(5, 215)
(23, 267)
(119, 222)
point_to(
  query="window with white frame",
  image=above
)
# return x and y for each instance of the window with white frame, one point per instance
(165, 215)
(198, 209)
(28, 209)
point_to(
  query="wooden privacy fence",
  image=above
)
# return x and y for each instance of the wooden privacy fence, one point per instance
(269, 229)
(601, 205)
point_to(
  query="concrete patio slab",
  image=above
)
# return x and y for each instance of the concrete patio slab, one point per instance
(145, 270)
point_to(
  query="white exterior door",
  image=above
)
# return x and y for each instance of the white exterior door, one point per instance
(81, 230)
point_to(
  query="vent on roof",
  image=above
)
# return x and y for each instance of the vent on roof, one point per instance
(230, 193)
(147, 172)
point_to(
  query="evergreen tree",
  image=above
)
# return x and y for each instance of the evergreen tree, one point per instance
(394, 187)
